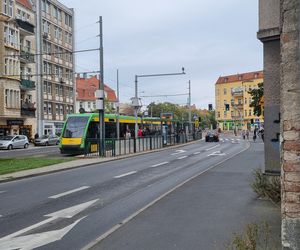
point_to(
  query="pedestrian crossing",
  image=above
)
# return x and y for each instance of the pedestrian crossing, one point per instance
(230, 140)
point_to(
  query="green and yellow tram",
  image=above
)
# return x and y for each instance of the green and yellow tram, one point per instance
(79, 127)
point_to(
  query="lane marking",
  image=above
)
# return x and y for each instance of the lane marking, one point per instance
(1, 192)
(178, 152)
(196, 153)
(217, 153)
(1, 215)
(212, 147)
(68, 192)
(182, 157)
(126, 174)
(226, 139)
(159, 164)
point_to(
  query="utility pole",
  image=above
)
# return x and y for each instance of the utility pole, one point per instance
(118, 107)
(190, 111)
(101, 94)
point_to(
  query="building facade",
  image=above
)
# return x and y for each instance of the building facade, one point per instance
(55, 65)
(17, 68)
(233, 109)
(85, 94)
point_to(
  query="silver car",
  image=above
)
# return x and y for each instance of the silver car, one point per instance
(13, 141)
(47, 140)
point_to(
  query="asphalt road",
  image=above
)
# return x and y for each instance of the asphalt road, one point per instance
(32, 151)
(70, 209)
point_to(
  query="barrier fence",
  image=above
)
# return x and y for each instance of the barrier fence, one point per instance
(122, 146)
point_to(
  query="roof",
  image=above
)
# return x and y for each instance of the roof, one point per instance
(25, 3)
(86, 88)
(240, 77)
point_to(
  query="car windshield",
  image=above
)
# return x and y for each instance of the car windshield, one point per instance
(6, 138)
(44, 137)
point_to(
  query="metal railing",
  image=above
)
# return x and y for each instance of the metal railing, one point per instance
(116, 147)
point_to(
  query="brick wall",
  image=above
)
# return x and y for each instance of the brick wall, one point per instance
(290, 124)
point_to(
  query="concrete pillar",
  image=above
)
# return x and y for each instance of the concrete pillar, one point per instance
(290, 123)
(269, 35)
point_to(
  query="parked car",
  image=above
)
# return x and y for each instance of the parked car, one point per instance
(47, 140)
(212, 136)
(13, 141)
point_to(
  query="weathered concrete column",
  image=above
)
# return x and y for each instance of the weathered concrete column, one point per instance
(269, 35)
(290, 123)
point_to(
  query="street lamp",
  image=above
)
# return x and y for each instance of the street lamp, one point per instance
(135, 99)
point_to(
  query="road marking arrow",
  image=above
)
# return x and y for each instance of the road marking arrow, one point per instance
(217, 153)
(15, 241)
(32, 241)
(178, 152)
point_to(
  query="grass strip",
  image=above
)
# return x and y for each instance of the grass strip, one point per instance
(8, 165)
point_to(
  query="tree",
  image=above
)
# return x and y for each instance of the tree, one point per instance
(257, 97)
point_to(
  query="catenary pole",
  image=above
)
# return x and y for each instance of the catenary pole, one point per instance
(101, 88)
(118, 107)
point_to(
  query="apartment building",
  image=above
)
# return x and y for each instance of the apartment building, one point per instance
(85, 94)
(55, 66)
(17, 68)
(233, 101)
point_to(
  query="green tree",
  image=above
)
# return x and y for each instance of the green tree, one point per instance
(257, 95)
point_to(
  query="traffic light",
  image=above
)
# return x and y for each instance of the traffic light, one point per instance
(210, 107)
(227, 107)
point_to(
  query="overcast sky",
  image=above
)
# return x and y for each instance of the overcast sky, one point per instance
(207, 38)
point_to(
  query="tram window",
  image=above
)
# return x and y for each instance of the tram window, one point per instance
(93, 130)
(75, 127)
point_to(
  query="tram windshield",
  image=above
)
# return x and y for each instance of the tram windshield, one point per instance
(75, 127)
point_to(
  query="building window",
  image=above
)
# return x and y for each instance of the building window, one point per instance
(219, 115)
(8, 7)
(57, 109)
(250, 112)
(56, 90)
(239, 101)
(61, 109)
(245, 100)
(245, 113)
(80, 104)
(45, 108)
(49, 108)
(225, 91)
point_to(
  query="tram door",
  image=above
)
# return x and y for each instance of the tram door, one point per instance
(165, 133)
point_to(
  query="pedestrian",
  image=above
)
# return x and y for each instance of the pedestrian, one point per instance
(140, 132)
(244, 134)
(262, 133)
(255, 131)
(247, 134)
(127, 134)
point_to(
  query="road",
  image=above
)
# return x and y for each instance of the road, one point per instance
(70, 209)
(32, 151)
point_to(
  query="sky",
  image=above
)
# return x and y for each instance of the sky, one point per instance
(208, 38)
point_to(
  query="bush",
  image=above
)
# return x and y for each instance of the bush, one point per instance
(267, 187)
(254, 236)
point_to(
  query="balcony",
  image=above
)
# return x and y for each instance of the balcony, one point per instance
(26, 56)
(26, 28)
(237, 91)
(27, 84)
(28, 109)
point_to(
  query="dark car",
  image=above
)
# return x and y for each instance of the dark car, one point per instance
(212, 137)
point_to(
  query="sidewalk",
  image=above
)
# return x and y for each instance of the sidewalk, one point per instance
(204, 213)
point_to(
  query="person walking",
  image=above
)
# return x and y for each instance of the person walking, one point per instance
(262, 133)
(255, 131)
(244, 134)
(247, 134)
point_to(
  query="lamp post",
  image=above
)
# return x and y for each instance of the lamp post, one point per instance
(135, 99)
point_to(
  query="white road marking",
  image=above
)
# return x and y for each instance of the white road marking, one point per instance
(159, 164)
(68, 192)
(217, 153)
(1, 192)
(126, 174)
(226, 139)
(212, 147)
(178, 152)
(182, 157)
(1, 215)
(15, 241)
(196, 153)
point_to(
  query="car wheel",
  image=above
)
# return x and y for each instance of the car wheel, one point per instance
(57, 142)
(10, 147)
(26, 145)
(47, 144)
